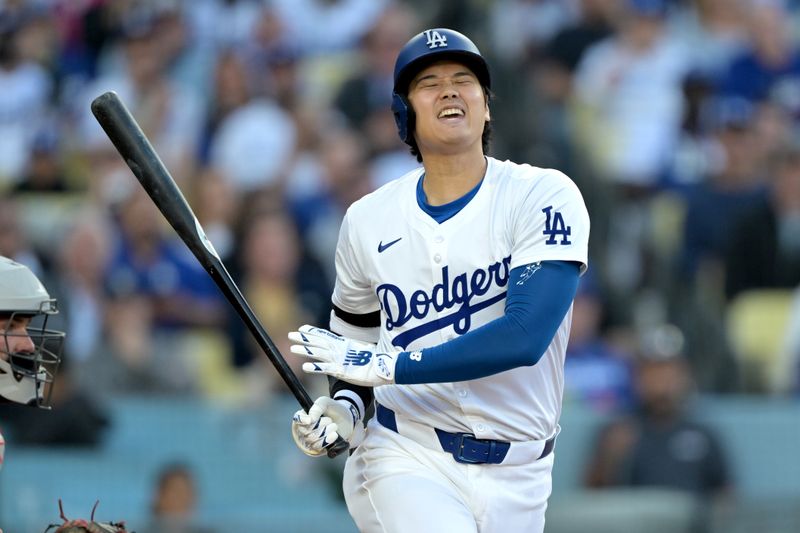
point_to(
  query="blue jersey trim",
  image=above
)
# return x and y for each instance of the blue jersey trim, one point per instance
(440, 213)
(538, 298)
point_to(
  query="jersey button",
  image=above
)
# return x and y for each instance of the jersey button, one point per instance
(437, 258)
(438, 238)
(480, 427)
(462, 393)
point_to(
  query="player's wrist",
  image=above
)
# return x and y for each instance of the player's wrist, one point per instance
(404, 366)
(384, 367)
(353, 403)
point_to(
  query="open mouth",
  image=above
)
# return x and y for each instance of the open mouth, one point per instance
(451, 113)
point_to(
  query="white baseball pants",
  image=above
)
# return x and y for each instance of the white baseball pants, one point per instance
(394, 484)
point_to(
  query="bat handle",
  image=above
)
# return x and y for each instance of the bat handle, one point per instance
(338, 447)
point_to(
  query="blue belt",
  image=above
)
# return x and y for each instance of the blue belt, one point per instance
(464, 447)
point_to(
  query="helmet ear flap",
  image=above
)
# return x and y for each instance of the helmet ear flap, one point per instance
(403, 117)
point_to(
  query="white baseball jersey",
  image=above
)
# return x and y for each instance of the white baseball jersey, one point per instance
(433, 282)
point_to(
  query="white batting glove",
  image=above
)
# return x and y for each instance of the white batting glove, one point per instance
(350, 360)
(327, 419)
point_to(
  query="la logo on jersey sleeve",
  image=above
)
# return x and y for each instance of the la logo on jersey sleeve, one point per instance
(554, 226)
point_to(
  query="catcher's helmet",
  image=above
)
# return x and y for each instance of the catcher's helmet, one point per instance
(423, 49)
(28, 360)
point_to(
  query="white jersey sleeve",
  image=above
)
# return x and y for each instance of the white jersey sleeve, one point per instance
(352, 292)
(551, 223)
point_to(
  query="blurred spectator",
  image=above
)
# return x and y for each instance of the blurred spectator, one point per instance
(596, 372)
(342, 180)
(137, 69)
(713, 32)
(774, 127)
(269, 37)
(732, 184)
(552, 69)
(254, 144)
(283, 81)
(628, 106)
(562, 54)
(25, 91)
(660, 444)
(37, 39)
(365, 99)
(224, 24)
(519, 26)
(704, 150)
(770, 66)
(188, 60)
(764, 248)
(691, 160)
(137, 358)
(155, 293)
(269, 256)
(45, 172)
(14, 243)
(82, 258)
(174, 502)
(216, 205)
(231, 89)
(628, 89)
(83, 30)
(325, 26)
(146, 262)
(281, 78)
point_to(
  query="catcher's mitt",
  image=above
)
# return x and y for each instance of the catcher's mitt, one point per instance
(86, 526)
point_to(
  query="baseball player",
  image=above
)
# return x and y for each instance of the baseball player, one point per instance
(452, 306)
(29, 352)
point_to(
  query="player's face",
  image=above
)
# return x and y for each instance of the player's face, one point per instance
(451, 108)
(14, 337)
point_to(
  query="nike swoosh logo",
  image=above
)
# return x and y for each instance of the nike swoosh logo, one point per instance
(382, 247)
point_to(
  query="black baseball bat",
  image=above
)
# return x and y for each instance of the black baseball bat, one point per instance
(142, 159)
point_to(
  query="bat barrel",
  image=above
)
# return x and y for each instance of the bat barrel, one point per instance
(140, 156)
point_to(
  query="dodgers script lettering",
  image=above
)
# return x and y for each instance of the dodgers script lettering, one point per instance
(460, 291)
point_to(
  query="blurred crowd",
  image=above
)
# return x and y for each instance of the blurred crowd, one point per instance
(678, 120)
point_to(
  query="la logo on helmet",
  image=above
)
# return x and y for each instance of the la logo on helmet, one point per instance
(435, 39)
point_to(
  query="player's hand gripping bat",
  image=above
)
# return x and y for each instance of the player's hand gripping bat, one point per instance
(139, 155)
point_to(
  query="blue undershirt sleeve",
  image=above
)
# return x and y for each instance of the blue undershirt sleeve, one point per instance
(536, 304)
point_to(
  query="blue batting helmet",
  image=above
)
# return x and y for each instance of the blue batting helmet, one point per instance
(423, 49)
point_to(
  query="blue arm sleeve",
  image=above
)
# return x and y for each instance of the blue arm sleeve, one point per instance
(535, 307)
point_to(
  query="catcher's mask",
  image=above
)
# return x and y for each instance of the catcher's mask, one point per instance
(29, 352)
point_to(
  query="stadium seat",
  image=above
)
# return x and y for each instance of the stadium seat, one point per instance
(623, 510)
(756, 325)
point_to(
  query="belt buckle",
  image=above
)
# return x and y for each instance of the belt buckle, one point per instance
(458, 452)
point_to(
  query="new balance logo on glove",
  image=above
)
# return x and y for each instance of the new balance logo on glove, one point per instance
(356, 358)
